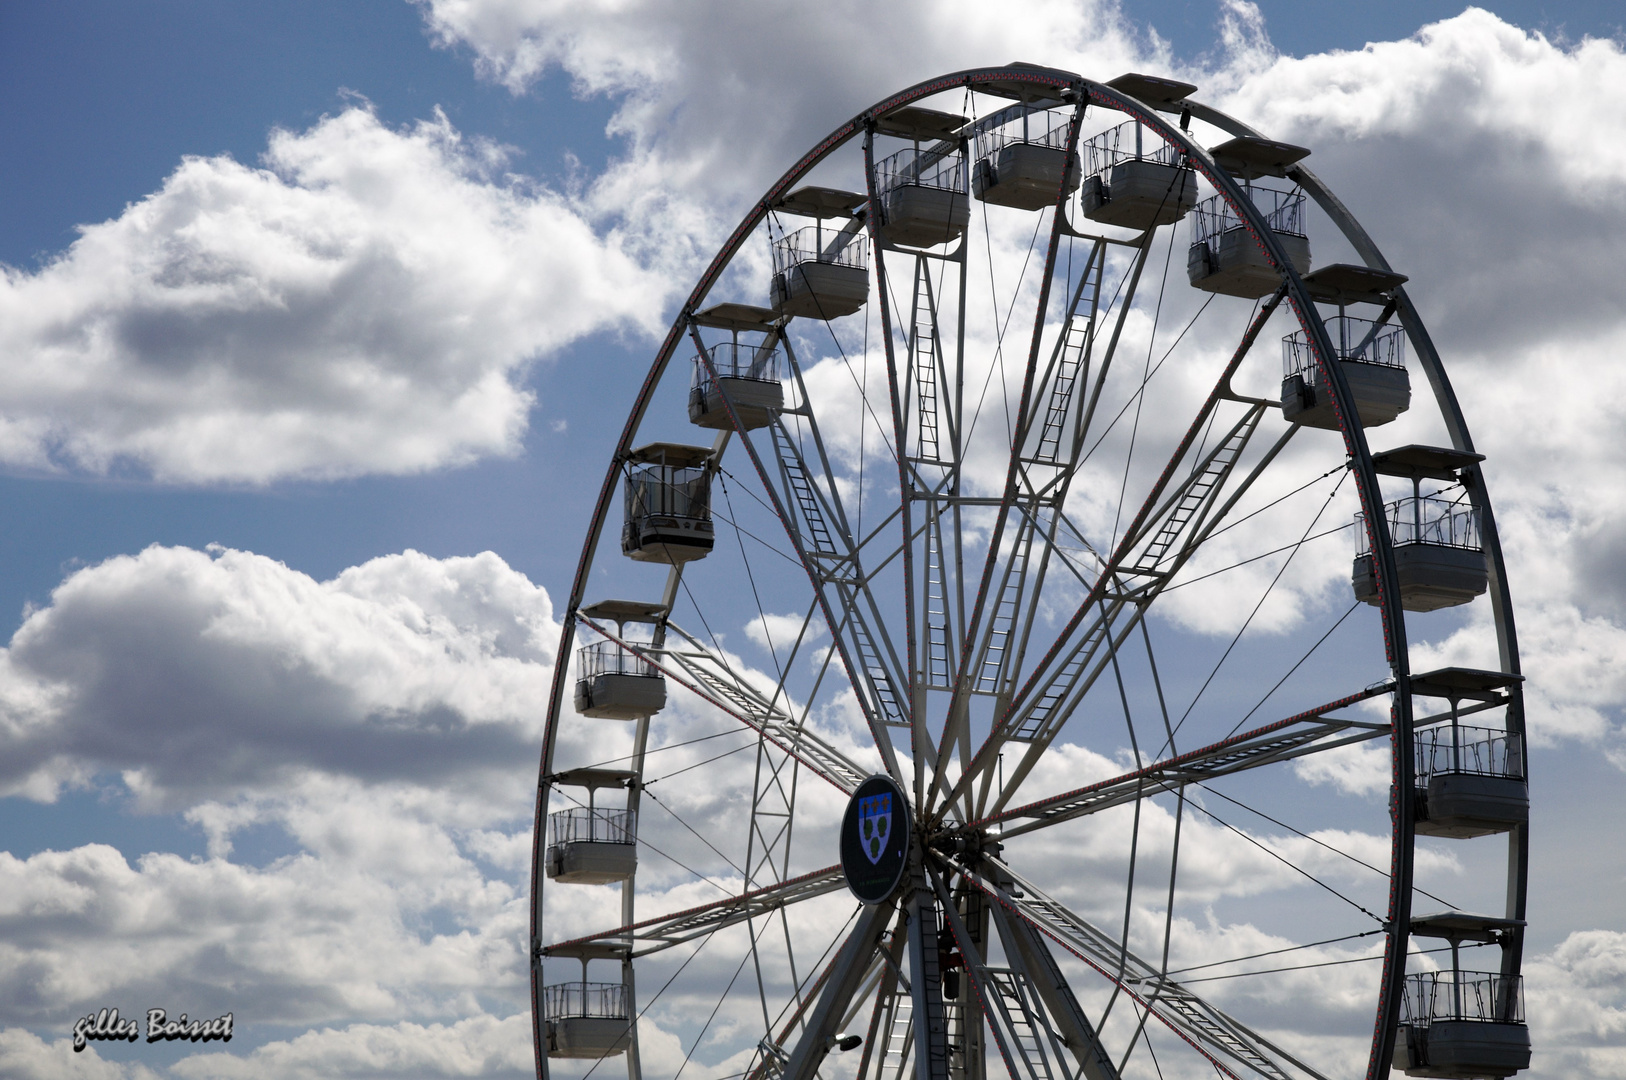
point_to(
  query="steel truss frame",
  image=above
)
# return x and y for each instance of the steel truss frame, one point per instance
(978, 652)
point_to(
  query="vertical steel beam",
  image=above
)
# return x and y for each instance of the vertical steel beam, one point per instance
(1024, 946)
(926, 978)
(847, 972)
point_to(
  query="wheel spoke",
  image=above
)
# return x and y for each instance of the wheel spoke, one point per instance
(1036, 712)
(708, 675)
(664, 931)
(841, 982)
(1026, 425)
(1026, 947)
(1047, 463)
(1215, 1035)
(818, 528)
(1305, 733)
(1022, 1031)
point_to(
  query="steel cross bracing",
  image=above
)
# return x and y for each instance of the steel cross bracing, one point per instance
(1037, 712)
(1189, 514)
(773, 815)
(694, 667)
(889, 1016)
(1227, 1043)
(664, 931)
(768, 843)
(994, 651)
(1010, 1003)
(1296, 736)
(834, 558)
(826, 528)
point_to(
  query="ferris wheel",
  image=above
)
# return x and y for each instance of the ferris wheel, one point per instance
(1002, 663)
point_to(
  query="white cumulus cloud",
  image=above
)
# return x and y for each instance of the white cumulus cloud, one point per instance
(197, 673)
(366, 301)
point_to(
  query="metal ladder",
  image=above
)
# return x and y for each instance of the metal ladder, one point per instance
(897, 1037)
(808, 501)
(800, 486)
(937, 609)
(1074, 340)
(1196, 494)
(870, 665)
(1007, 608)
(1021, 1041)
(1060, 685)
(923, 349)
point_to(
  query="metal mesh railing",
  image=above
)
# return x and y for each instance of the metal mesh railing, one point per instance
(1127, 142)
(816, 244)
(1425, 520)
(664, 491)
(736, 360)
(1462, 995)
(592, 824)
(920, 168)
(1040, 127)
(584, 999)
(1283, 212)
(608, 658)
(1476, 750)
(1361, 340)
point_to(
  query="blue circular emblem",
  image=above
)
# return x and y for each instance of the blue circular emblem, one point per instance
(875, 839)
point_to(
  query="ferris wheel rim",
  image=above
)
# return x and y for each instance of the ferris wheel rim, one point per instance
(1297, 297)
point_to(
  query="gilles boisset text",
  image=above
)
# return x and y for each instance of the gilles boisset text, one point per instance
(107, 1025)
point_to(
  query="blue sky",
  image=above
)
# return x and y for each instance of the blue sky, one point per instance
(109, 99)
(106, 99)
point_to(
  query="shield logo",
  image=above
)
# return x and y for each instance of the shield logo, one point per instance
(875, 824)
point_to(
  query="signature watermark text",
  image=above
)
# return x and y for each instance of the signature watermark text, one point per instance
(107, 1025)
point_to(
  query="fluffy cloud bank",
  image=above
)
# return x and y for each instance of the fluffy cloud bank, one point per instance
(713, 99)
(380, 728)
(197, 674)
(366, 302)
